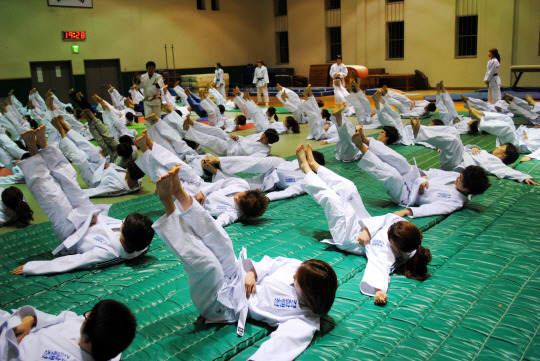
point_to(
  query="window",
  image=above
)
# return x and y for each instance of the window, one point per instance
(334, 40)
(282, 40)
(214, 4)
(467, 35)
(280, 7)
(395, 34)
(201, 4)
(333, 4)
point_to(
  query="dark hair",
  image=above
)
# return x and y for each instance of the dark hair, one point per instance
(475, 179)
(338, 57)
(178, 110)
(326, 114)
(137, 232)
(437, 122)
(406, 237)
(511, 154)
(110, 327)
(221, 109)
(272, 112)
(219, 65)
(130, 116)
(320, 103)
(260, 61)
(391, 133)
(126, 139)
(241, 119)
(69, 110)
(78, 113)
(253, 203)
(319, 157)
(473, 127)
(149, 64)
(135, 172)
(13, 198)
(191, 144)
(272, 136)
(33, 124)
(495, 54)
(124, 150)
(431, 107)
(292, 124)
(318, 282)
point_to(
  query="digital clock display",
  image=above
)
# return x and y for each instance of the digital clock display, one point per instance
(73, 35)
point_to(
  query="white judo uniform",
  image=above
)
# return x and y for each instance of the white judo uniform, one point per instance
(14, 125)
(117, 99)
(341, 96)
(37, 101)
(389, 117)
(347, 218)
(219, 80)
(53, 183)
(456, 157)
(293, 104)
(215, 118)
(345, 150)
(259, 117)
(216, 283)
(152, 93)
(163, 134)
(317, 124)
(364, 112)
(136, 95)
(404, 104)
(494, 82)
(500, 106)
(285, 177)
(219, 142)
(402, 181)
(116, 121)
(9, 151)
(527, 140)
(260, 79)
(521, 108)
(341, 70)
(54, 337)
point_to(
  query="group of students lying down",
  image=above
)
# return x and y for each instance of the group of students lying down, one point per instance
(202, 194)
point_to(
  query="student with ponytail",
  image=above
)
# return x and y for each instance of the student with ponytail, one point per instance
(492, 79)
(389, 242)
(13, 208)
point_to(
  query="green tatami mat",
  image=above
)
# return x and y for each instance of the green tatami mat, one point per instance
(481, 300)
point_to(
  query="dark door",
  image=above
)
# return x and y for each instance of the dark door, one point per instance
(99, 74)
(56, 75)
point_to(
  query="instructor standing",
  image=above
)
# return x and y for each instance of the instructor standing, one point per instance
(151, 84)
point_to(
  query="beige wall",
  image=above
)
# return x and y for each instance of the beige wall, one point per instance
(135, 31)
(429, 38)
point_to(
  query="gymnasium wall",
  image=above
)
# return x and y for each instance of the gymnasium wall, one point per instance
(135, 31)
(429, 38)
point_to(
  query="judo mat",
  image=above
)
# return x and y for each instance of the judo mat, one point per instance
(481, 301)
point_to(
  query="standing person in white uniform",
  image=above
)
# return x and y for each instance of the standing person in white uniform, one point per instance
(151, 83)
(492, 79)
(389, 242)
(13, 208)
(87, 235)
(99, 334)
(424, 193)
(338, 70)
(456, 157)
(219, 80)
(260, 79)
(285, 293)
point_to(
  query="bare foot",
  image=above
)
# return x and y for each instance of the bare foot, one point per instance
(176, 184)
(212, 160)
(279, 87)
(88, 114)
(464, 98)
(29, 138)
(357, 140)
(49, 102)
(141, 141)
(164, 186)
(302, 160)
(209, 166)
(384, 89)
(284, 96)
(63, 123)
(56, 124)
(236, 91)
(188, 92)
(247, 97)
(127, 103)
(311, 161)
(376, 98)
(415, 124)
(177, 83)
(530, 100)
(475, 113)
(339, 108)
(41, 137)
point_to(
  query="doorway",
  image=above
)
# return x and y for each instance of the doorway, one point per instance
(99, 74)
(56, 75)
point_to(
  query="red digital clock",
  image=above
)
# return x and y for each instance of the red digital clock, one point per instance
(73, 35)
